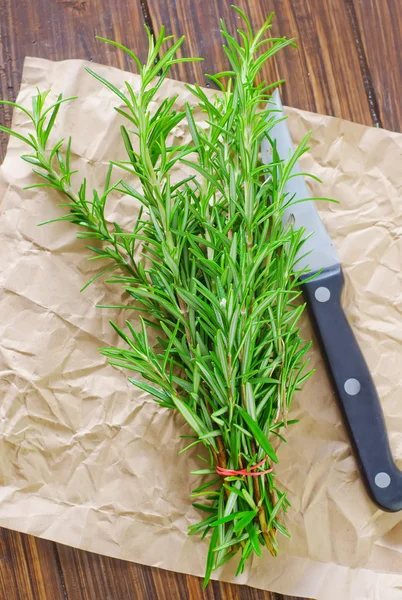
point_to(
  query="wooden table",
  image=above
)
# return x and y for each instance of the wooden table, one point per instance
(348, 65)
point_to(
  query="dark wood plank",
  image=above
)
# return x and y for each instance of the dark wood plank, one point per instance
(379, 24)
(90, 576)
(28, 568)
(28, 572)
(323, 76)
(60, 29)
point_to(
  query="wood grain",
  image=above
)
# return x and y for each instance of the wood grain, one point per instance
(380, 26)
(28, 568)
(348, 65)
(91, 576)
(323, 76)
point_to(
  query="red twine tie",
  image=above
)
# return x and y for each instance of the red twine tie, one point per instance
(227, 472)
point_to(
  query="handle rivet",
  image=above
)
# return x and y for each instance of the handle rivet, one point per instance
(382, 480)
(322, 294)
(352, 386)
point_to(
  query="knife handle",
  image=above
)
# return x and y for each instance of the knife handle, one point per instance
(355, 388)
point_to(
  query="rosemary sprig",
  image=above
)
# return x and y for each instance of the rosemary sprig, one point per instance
(217, 275)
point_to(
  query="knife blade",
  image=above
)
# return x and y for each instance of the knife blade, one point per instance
(351, 378)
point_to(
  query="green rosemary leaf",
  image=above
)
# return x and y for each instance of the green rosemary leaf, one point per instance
(232, 542)
(258, 434)
(252, 534)
(247, 549)
(232, 500)
(204, 507)
(152, 390)
(248, 499)
(210, 557)
(19, 107)
(240, 515)
(32, 160)
(203, 472)
(246, 518)
(109, 85)
(276, 509)
(205, 174)
(18, 136)
(244, 431)
(201, 526)
(126, 50)
(191, 417)
(190, 446)
(107, 270)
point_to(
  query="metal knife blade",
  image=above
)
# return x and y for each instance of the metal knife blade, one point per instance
(354, 386)
(318, 251)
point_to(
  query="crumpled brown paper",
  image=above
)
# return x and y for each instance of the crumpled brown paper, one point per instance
(89, 461)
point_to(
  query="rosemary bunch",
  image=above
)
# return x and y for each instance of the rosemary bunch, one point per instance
(216, 276)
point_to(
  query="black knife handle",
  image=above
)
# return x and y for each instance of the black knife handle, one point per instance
(355, 389)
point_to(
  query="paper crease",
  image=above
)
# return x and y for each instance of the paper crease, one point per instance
(88, 460)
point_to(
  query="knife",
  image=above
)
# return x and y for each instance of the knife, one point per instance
(354, 386)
